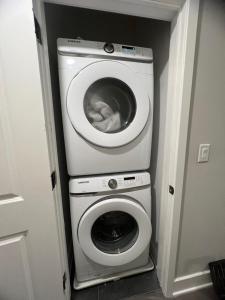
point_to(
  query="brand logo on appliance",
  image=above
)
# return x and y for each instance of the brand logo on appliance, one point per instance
(73, 41)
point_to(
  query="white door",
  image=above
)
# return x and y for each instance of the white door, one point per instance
(107, 104)
(31, 264)
(114, 231)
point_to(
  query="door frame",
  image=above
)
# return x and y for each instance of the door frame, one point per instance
(183, 15)
(51, 140)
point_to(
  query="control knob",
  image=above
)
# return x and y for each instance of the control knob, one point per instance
(109, 48)
(112, 184)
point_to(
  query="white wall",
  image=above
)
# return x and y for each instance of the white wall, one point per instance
(202, 235)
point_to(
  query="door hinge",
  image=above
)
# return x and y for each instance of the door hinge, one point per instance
(171, 189)
(64, 281)
(53, 179)
(37, 30)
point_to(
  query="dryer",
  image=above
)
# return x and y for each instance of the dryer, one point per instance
(111, 225)
(107, 106)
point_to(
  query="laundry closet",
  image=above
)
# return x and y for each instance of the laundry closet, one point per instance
(73, 23)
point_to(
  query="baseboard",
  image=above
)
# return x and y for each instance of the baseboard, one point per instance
(191, 283)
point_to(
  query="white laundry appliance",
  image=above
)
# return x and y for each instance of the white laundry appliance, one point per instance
(107, 106)
(111, 225)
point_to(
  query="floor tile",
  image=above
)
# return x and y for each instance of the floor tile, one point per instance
(129, 286)
(155, 295)
(204, 294)
(85, 294)
(140, 287)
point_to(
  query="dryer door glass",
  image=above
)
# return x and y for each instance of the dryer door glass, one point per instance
(114, 232)
(109, 105)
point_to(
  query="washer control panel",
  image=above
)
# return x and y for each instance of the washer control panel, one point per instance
(104, 49)
(108, 183)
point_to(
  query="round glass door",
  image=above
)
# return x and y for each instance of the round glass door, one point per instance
(109, 105)
(114, 231)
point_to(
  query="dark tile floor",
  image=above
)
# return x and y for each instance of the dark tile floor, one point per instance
(140, 287)
(123, 288)
(205, 294)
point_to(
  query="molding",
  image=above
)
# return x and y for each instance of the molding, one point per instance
(155, 9)
(190, 283)
(38, 8)
(181, 65)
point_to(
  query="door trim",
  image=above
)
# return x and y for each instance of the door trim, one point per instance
(183, 15)
(51, 140)
(181, 66)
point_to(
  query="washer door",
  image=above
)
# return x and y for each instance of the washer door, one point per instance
(107, 104)
(114, 231)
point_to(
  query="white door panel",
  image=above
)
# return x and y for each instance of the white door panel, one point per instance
(31, 264)
(15, 281)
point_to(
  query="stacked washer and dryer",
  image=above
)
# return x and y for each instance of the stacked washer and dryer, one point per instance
(107, 108)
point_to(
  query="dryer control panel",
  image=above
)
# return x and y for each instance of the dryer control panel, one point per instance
(81, 47)
(108, 183)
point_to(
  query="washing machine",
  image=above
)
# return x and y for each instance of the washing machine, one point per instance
(107, 106)
(111, 226)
